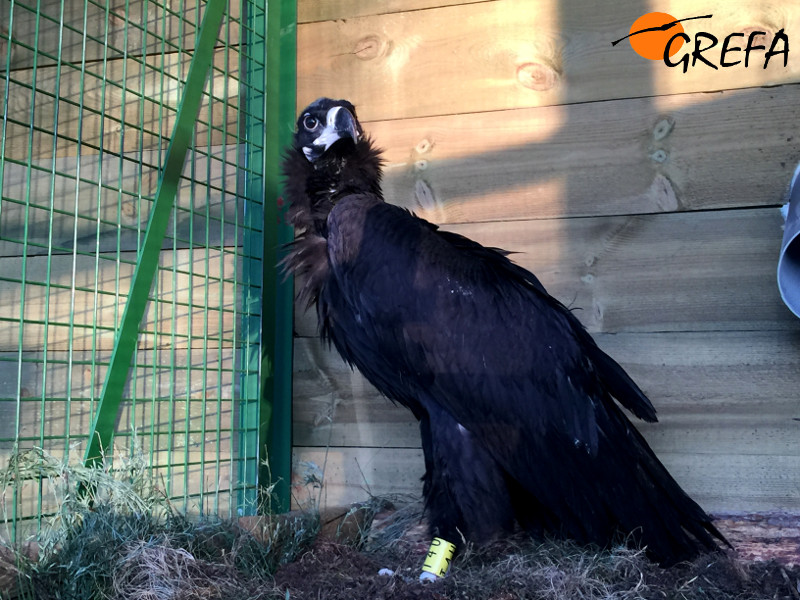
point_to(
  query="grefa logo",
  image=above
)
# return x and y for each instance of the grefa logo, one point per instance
(660, 36)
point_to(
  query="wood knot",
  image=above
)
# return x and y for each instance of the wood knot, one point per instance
(764, 35)
(597, 314)
(129, 209)
(663, 128)
(115, 21)
(536, 76)
(666, 199)
(659, 156)
(424, 195)
(4, 42)
(424, 146)
(368, 48)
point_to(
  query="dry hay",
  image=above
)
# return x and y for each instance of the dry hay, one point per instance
(116, 535)
(154, 570)
(520, 567)
(122, 541)
(129, 557)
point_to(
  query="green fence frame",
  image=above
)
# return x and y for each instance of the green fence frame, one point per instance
(278, 324)
(269, 107)
(259, 411)
(102, 430)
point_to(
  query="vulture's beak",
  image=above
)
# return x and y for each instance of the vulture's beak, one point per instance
(339, 124)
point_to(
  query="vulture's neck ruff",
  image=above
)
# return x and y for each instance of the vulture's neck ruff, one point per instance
(331, 158)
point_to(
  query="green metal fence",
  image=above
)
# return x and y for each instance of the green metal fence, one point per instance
(91, 93)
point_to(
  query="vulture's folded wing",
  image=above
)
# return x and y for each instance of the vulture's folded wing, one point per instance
(466, 329)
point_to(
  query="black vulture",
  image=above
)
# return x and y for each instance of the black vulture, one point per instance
(518, 408)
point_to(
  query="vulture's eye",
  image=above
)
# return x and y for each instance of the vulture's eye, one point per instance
(310, 123)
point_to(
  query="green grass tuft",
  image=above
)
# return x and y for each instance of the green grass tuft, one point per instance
(115, 534)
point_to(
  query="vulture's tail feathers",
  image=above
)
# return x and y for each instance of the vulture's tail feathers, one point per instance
(677, 528)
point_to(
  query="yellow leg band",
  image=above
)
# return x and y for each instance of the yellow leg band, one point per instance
(439, 557)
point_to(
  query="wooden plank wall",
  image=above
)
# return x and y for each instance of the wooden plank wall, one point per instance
(645, 196)
(94, 196)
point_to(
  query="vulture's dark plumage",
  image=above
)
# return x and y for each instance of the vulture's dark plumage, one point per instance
(516, 403)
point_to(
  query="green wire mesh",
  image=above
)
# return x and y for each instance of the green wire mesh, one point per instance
(90, 92)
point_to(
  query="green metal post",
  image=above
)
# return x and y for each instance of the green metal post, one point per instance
(266, 447)
(253, 103)
(102, 429)
(275, 430)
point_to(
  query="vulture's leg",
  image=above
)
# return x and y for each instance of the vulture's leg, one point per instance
(465, 491)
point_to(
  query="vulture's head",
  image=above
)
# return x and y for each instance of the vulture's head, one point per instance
(330, 158)
(327, 130)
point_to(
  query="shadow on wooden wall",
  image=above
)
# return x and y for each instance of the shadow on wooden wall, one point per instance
(642, 196)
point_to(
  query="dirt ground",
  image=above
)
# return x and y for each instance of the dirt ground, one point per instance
(337, 572)
(129, 557)
(764, 566)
